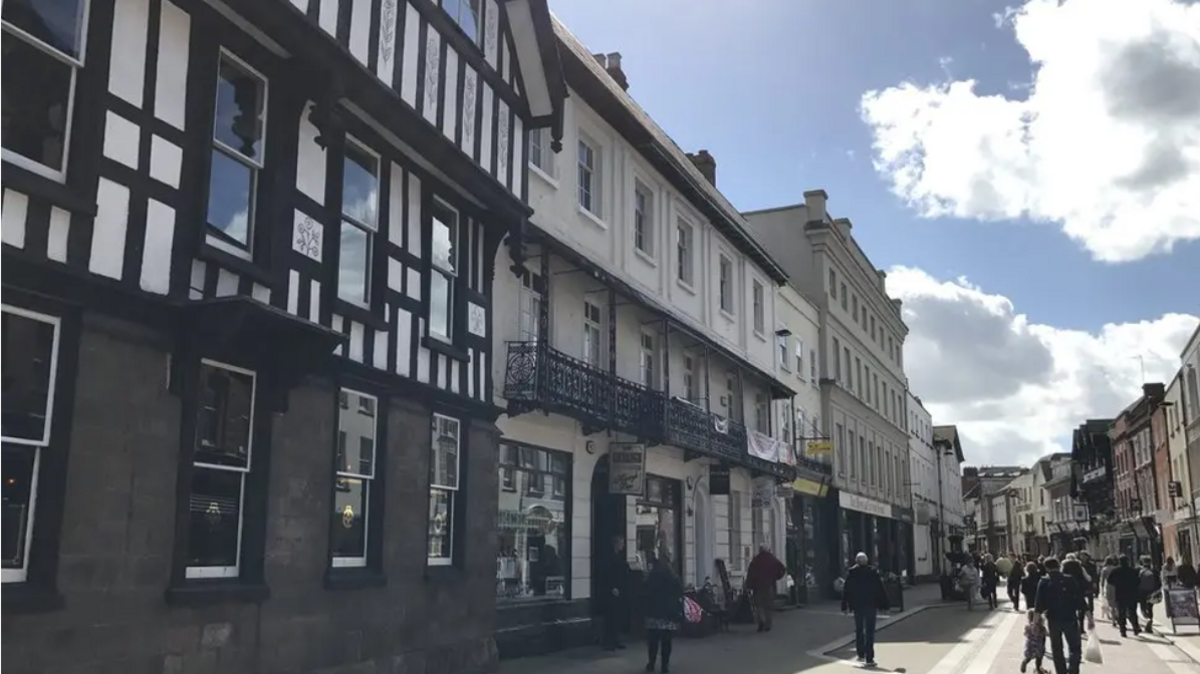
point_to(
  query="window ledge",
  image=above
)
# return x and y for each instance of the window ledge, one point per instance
(595, 219)
(444, 348)
(728, 315)
(545, 177)
(217, 591)
(360, 314)
(361, 578)
(685, 285)
(20, 598)
(646, 257)
(210, 253)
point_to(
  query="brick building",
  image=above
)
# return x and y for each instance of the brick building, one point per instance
(1135, 473)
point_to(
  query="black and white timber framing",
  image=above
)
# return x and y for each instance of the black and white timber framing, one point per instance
(446, 118)
(109, 246)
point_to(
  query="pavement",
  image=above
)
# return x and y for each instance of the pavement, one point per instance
(930, 637)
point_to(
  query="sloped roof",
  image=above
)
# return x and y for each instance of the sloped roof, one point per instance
(672, 160)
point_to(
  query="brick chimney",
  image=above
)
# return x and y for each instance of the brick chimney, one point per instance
(706, 164)
(843, 227)
(1154, 391)
(612, 65)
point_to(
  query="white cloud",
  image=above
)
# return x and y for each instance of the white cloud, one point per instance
(1017, 389)
(1106, 146)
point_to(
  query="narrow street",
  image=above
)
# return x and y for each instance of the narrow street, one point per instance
(934, 639)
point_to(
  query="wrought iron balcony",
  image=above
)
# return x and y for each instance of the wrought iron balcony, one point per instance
(550, 380)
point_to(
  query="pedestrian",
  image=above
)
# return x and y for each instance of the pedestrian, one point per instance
(1093, 575)
(1060, 599)
(1074, 568)
(1124, 583)
(865, 596)
(1035, 641)
(968, 579)
(1148, 584)
(1015, 575)
(989, 578)
(1109, 590)
(1029, 584)
(1187, 574)
(614, 580)
(1170, 573)
(764, 571)
(663, 611)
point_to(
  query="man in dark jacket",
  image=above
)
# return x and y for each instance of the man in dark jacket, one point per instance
(1060, 599)
(864, 595)
(1124, 581)
(614, 583)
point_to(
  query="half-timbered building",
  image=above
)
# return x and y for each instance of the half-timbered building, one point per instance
(639, 328)
(248, 257)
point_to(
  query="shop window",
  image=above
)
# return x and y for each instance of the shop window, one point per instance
(30, 362)
(354, 479)
(533, 530)
(658, 524)
(443, 490)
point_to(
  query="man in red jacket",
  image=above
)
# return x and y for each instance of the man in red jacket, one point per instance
(762, 574)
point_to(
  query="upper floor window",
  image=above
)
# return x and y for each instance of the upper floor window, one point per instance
(541, 155)
(845, 296)
(782, 342)
(758, 297)
(443, 270)
(854, 307)
(891, 348)
(466, 14)
(360, 208)
(591, 333)
(443, 491)
(725, 284)
(762, 413)
(239, 135)
(648, 362)
(530, 308)
(643, 219)
(685, 262)
(589, 198)
(690, 392)
(833, 284)
(30, 364)
(872, 328)
(812, 368)
(43, 46)
(800, 358)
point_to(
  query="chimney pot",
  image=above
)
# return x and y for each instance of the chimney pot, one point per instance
(705, 163)
(843, 226)
(815, 203)
(612, 64)
(601, 59)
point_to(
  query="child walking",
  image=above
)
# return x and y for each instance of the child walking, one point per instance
(1035, 641)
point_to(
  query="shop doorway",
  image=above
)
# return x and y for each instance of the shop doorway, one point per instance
(608, 521)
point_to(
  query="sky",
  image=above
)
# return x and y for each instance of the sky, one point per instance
(1028, 173)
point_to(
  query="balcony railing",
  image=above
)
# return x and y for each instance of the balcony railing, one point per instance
(562, 384)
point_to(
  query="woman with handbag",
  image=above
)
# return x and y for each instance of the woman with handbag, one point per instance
(664, 612)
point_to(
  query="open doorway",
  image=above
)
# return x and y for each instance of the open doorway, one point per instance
(608, 520)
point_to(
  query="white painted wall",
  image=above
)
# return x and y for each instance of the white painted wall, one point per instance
(801, 317)
(922, 550)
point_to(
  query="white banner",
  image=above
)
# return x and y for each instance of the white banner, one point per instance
(763, 446)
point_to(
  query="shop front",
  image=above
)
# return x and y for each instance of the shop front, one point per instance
(812, 554)
(873, 527)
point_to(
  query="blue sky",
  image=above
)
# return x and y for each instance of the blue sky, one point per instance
(774, 94)
(1098, 139)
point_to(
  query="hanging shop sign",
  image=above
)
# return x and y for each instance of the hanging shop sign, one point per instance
(763, 494)
(627, 469)
(718, 479)
(818, 447)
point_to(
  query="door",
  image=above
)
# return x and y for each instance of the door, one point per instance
(608, 521)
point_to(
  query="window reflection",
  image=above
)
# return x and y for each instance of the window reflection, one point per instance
(532, 530)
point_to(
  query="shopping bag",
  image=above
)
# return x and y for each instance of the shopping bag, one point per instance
(1092, 653)
(692, 611)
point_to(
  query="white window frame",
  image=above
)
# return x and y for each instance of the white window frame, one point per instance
(451, 275)
(451, 491)
(541, 157)
(76, 64)
(799, 356)
(812, 369)
(230, 571)
(689, 378)
(38, 444)
(477, 38)
(370, 229)
(758, 297)
(531, 297)
(685, 253)
(725, 283)
(368, 481)
(643, 219)
(785, 354)
(593, 334)
(648, 360)
(762, 413)
(255, 165)
(591, 169)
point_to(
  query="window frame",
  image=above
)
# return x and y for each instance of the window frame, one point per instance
(725, 289)
(593, 333)
(781, 343)
(685, 252)
(454, 494)
(10, 577)
(369, 481)
(648, 356)
(77, 65)
(213, 237)
(758, 298)
(643, 219)
(592, 170)
(452, 276)
(480, 28)
(541, 157)
(371, 230)
(508, 470)
(529, 293)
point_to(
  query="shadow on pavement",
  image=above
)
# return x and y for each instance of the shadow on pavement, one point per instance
(935, 625)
